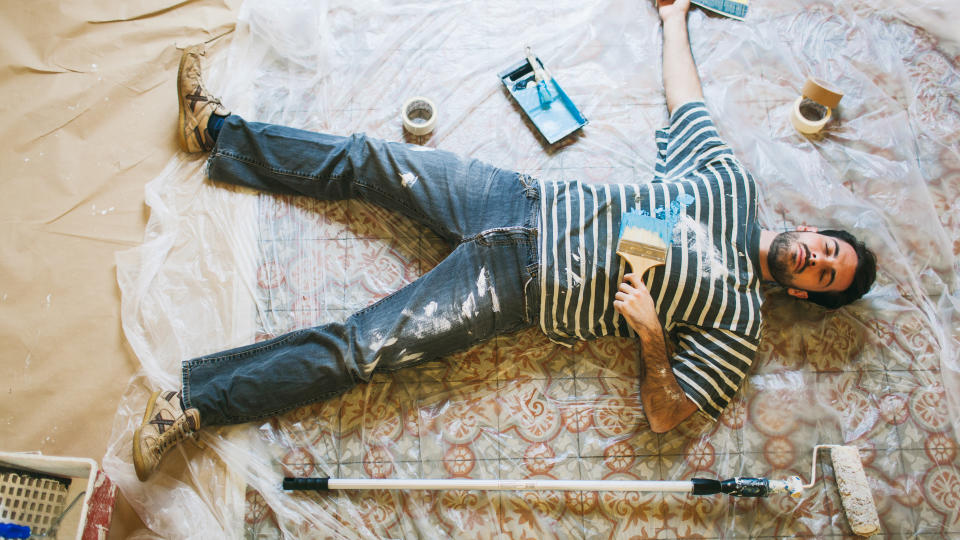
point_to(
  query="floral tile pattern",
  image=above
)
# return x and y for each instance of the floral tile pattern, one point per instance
(521, 407)
(880, 375)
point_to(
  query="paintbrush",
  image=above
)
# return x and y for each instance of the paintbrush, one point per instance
(541, 77)
(644, 241)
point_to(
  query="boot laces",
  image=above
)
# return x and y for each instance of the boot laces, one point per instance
(201, 91)
(180, 430)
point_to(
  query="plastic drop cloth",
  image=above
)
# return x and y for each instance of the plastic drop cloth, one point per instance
(222, 267)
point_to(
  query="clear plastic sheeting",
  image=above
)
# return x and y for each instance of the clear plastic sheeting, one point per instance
(222, 267)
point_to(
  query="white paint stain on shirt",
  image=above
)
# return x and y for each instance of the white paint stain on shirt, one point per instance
(700, 241)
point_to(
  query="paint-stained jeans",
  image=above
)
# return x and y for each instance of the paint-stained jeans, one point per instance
(484, 288)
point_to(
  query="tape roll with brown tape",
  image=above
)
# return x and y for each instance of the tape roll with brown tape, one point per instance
(813, 109)
(822, 93)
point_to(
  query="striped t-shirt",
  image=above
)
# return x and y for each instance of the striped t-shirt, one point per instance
(707, 295)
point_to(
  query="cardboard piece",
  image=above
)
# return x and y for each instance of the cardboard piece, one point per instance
(88, 90)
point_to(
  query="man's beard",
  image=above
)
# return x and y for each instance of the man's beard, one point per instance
(779, 259)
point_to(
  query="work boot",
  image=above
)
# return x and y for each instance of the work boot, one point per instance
(196, 105)
(164, 425)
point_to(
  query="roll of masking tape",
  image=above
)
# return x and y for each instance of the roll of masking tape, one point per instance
(419, 115)
(808, 116)
(812, 110)
(820, 92)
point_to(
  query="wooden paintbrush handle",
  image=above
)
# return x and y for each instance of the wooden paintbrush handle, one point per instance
(639, 265)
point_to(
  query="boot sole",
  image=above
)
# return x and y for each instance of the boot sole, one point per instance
(138, 464)
(181, 115)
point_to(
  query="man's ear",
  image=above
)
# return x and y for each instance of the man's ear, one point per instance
(805, 228)
(797, 293)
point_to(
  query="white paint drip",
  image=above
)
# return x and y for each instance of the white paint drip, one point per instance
(482, 282)
(483, 286)
(408, 179)
(469, 308)
(410, 357)
(430, 309)
(673, 395)
(577, 280)
(427, 324)
(378, 342)
(700, 240)
(418, 148)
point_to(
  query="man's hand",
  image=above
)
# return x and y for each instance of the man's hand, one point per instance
(672, 8)
(663, 400)
(634, 302)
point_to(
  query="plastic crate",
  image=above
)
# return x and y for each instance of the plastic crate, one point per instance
(41, 496)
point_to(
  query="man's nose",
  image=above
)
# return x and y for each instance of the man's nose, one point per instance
(821, 259)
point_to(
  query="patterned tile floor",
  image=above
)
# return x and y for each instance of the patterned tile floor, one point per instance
(523, 408)
(877, 376)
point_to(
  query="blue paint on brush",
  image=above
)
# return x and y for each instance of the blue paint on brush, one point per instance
(662, 223)
(660, 227)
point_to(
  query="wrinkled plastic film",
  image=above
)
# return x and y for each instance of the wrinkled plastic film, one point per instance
(222, 267)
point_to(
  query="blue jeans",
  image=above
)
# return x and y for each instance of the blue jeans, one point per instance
(487, 286)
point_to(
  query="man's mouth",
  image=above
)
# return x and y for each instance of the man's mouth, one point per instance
(801, 258)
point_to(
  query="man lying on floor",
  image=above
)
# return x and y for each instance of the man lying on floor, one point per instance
(526, 252)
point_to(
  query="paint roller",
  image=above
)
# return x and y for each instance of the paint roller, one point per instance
(855, 496)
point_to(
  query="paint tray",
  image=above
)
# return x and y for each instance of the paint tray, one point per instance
(554, 122)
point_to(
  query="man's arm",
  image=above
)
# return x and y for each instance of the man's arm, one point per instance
(664, 402)
(680, 80)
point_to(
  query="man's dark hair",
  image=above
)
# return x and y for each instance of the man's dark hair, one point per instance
(863, 277)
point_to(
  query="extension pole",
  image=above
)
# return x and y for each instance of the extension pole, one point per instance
(738, 487)
(855, 496)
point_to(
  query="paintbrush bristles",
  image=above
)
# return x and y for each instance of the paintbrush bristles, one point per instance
(642, 235)
(636, 238)
(643, 228)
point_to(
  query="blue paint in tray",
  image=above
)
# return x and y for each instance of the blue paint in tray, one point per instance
(554, 120)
